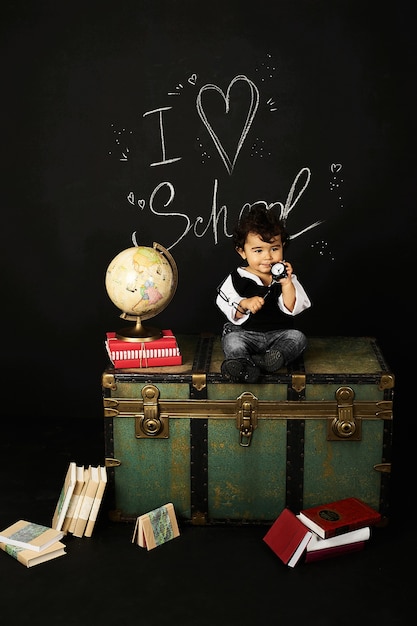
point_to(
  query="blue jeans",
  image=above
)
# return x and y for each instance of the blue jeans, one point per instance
(238, 343)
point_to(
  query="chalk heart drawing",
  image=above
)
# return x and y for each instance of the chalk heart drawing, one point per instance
(335, 167)
(253, 103)
(193, 79)
(132, 200)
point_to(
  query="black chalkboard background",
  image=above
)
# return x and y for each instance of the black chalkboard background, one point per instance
(332, 137)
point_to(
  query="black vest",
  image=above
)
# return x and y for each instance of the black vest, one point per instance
(270, 317)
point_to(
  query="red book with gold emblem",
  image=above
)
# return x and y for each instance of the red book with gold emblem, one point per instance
(341, 516)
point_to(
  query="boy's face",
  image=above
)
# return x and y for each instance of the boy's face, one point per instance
(260, 254)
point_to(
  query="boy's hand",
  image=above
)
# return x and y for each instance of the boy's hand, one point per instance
(287, 279)
(253, 305)
(288, 290)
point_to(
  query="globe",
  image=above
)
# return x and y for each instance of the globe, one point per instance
(141, 282)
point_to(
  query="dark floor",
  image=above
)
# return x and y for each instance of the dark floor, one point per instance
(209, 576)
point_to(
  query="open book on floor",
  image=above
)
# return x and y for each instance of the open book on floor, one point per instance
(156, 527)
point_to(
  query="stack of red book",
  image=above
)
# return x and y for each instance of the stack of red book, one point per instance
(156, 353)
(321, 532)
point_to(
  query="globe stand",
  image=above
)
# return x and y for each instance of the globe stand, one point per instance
(138, 332)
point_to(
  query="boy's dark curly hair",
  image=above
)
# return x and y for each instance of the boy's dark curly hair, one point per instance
(263, 222)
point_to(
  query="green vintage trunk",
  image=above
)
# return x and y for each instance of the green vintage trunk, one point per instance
(222, 452)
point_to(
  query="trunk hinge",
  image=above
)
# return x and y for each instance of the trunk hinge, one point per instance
(246, 417)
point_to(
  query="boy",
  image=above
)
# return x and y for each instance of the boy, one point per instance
(260, 306)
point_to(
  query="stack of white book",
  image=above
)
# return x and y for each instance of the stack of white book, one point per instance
(80, 499)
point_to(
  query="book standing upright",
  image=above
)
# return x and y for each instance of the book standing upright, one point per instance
(87, 502)
(87, 472)
(97, 501)
(64, 497)
(79, 483)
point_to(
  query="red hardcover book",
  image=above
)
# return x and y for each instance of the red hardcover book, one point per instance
(288, 538)
(328, 553)
(158, 352)
(168, 340)
(167, 336)
(317, 543)
(137, 352)
(155, 362)
(341, 516)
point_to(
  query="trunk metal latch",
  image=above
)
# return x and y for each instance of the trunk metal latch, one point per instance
(345, 425)
(151, 424)
(246, 417)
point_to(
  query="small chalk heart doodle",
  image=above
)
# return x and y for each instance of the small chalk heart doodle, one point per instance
(131, 198)
(193, 79)
(335, 167)
(253, 104)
